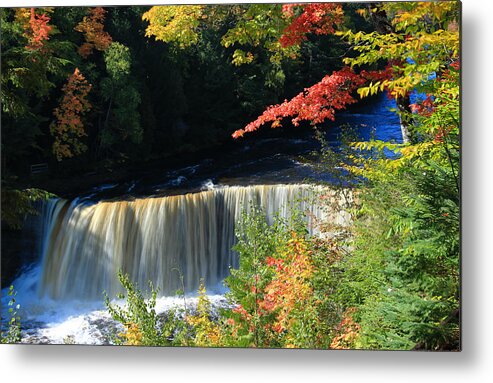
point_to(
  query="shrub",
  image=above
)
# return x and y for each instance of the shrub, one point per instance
(142, 325)
(279, 290)
(13, 332)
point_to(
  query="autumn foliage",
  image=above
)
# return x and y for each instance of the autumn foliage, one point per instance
(40, 30)
(348, 331)
(319, 102)
(280, 308)
(315, 104)
(318, 18)
(132, 335)
(289, 293)
(206, 331)
(69, 127)
(36, 27)
(176, 23)
(426, 53)
(390, 279)
(92, 27)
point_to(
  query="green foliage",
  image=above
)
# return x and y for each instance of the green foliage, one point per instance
(261, 25)
(176, 327)
(122, 120)
(138, 316)
(254, 40)
(281, 291)
(403, 275)
(256, 240)
(16, 204)
(28, 78)
(118, 61)
(13, 332)
(403, 272)
(176, 23)
(26, 74)
(424, 40)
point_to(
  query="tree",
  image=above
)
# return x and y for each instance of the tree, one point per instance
(314, 104)
(428, 44)
(420, 40)
(38, 31)
(31, 63)
(259, 26)
(318, 18)
(69, 126)
(122, 120)
(177, 23)
(92, 26)
(400, 282)
(27, 58)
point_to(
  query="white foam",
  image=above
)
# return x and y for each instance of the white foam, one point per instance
(208, 185)
(94, 327)
(49, 321)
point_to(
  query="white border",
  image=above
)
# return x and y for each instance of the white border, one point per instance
(19, 363)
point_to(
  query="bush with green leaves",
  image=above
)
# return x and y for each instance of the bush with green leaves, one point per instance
(142, 325)
(12, 334)
(281, 292)
(256, 240)
(402, 273)
(405, 270)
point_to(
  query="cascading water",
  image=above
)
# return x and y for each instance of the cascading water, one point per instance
(83, 243)
(156, 239)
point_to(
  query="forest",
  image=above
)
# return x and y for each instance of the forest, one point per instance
(96, 101)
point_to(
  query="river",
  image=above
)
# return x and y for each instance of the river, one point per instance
(166, 225)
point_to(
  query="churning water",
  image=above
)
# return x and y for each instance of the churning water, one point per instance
(161, 239)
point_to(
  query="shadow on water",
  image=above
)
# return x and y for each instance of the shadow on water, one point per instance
(268, 156)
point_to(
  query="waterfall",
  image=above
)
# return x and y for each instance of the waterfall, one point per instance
(155, 239)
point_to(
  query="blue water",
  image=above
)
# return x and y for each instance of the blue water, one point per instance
(285, 156)
(281, 157)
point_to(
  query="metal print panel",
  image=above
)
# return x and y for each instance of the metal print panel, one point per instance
(240, 175)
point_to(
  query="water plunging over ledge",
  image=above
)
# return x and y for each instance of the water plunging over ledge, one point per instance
(86, 240)
(156, 239)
